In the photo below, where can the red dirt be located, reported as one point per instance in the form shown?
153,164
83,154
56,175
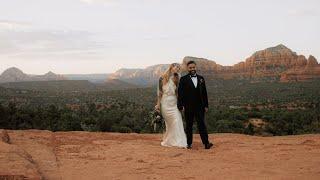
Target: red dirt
36,154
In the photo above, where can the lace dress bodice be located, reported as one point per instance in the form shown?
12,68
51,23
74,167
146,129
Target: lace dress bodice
169,89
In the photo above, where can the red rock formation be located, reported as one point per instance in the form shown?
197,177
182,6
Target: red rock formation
274,63
310,70
203,65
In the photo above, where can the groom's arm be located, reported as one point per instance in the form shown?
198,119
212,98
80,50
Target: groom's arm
180,94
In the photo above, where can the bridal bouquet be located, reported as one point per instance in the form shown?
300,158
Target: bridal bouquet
156,119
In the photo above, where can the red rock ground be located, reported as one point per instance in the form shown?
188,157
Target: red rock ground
36,154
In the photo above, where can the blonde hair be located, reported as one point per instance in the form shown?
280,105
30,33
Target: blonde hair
164,79
166,75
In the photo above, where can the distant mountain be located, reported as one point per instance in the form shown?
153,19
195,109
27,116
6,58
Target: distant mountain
95,78
204,66
14,74
309,70
277,63
144,77
15,78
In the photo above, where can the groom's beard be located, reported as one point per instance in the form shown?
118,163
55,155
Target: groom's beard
193,72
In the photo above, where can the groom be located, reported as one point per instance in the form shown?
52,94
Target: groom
193,100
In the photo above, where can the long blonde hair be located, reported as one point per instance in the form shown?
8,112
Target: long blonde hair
164,79
166,75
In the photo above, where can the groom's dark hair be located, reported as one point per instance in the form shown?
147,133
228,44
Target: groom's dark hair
191,62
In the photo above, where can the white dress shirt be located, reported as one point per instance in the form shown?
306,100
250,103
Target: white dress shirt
195,81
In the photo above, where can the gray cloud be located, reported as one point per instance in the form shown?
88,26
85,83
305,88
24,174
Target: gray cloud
303,12
104,2
14,25
23,40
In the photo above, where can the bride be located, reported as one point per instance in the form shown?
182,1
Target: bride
167,104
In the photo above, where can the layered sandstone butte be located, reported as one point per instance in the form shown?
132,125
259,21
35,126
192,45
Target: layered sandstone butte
277,63
39,154
310,70
204,66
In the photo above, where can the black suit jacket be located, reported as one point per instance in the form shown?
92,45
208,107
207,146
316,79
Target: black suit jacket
187,93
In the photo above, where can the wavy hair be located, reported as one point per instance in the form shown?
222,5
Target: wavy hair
167,74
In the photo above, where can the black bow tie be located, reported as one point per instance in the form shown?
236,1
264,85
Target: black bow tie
193,75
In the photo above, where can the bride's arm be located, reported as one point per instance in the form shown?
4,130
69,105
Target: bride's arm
159,94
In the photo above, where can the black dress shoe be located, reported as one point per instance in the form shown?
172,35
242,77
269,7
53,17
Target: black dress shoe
189,146
208,146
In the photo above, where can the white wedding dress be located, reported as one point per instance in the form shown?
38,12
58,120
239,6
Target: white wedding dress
174,134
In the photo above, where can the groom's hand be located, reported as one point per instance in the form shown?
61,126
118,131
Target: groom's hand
181,108
206,109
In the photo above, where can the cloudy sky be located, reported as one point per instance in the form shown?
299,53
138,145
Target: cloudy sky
101,36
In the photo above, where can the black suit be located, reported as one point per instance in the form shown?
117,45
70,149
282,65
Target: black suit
194,100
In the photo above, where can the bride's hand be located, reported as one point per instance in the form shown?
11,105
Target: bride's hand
157,107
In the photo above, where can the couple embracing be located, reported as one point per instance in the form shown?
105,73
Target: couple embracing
188,95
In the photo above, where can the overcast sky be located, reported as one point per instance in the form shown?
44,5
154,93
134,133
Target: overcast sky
101,36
